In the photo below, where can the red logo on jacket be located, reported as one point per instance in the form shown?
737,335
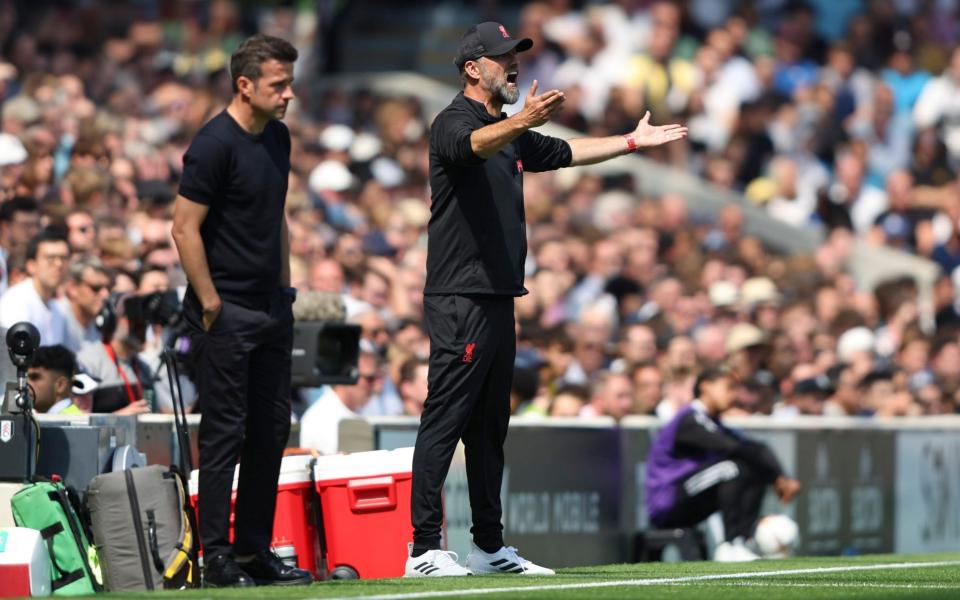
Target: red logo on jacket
503,32
468,352
520,166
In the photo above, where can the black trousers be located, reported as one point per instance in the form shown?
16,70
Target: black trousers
243,378
472,348
731,486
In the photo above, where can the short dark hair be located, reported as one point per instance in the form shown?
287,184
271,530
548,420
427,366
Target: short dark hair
253,52
408,370
15,205
58,359
47,234
710,375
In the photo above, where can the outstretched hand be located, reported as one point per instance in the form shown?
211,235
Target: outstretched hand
786,488
647,135
537,110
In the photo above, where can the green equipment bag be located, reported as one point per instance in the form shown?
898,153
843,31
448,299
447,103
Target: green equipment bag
45,506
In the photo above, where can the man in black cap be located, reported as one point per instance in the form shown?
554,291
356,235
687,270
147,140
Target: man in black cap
475,265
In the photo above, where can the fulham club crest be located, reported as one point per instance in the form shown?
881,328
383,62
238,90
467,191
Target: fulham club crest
6,431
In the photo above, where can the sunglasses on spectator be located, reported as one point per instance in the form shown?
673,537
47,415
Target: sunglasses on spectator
368,377
96,288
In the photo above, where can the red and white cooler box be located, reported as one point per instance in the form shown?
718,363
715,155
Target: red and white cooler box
365,501
295,535
24,564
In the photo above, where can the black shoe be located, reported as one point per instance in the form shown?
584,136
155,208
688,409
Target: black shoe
266,568
223,571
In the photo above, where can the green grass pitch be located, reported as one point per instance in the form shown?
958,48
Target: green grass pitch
868,577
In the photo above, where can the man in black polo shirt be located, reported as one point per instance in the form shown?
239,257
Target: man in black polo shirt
231,233
475,259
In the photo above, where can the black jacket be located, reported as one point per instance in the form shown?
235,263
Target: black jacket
477,239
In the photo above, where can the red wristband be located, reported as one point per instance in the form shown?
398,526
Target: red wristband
631,142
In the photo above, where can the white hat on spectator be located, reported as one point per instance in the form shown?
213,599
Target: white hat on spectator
364,147
337,137
723,294
744,335
84,383
387,172
857,339
330,176
759,290
12,151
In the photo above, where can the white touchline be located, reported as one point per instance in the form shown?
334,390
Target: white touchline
649,582
838,584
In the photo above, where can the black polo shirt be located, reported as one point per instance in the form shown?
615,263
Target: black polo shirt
477,239
242,177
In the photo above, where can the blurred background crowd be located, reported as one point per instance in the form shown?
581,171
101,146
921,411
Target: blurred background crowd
839,116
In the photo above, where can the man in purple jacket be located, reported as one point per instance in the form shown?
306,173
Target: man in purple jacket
698,466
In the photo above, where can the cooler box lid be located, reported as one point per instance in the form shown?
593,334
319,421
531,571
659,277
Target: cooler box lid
293,469
363,464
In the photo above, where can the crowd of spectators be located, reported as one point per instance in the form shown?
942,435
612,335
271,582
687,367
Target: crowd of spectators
840,115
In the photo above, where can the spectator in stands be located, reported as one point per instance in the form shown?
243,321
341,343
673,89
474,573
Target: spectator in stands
638,345
697,466
846,399
413,386
937,107
320,424
32,300
19,223
648,383
84,152
61,387
51,377
126,381
569,401
882,398
86,289
326,275
804,393
81,231
612,395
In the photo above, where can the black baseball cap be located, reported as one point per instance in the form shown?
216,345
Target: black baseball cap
488,39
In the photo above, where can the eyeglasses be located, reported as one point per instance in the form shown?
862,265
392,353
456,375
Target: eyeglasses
50,258
96,288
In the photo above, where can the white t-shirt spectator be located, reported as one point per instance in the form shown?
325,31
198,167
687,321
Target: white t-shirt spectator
939,104
77,334
23,303
320,425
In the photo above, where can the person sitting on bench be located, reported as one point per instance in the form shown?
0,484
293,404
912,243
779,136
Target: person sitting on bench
697,466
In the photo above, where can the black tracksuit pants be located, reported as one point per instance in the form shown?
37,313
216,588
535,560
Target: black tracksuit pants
472,348
243,377
732,486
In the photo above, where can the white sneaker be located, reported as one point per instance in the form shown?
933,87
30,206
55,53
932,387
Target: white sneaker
504,560
735,551
433,563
